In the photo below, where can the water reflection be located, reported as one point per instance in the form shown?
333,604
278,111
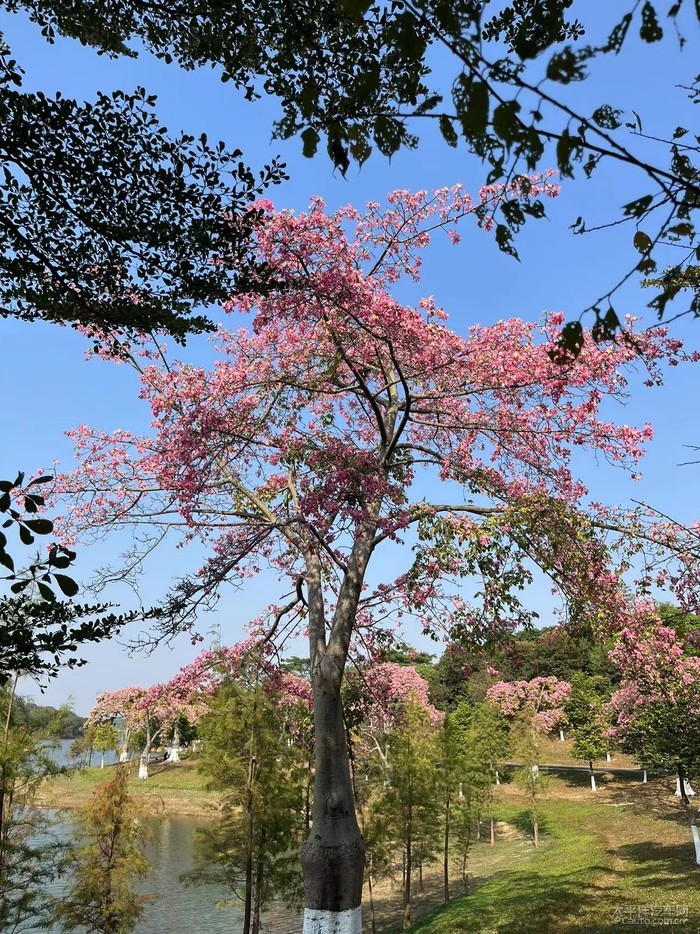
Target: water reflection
174,907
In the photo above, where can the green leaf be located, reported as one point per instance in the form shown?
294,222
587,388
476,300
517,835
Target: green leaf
606,327
608,117
680,130
619,34
566,66
638,207
388,134
448,131
46,592
504,239
6,561
428,104
681,230
310,140
642,242
569,344
40,526
506,122
67,584
650,30
474,117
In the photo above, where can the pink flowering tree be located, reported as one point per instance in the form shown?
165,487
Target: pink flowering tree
543,698
310,447
375,699
656,709
123,704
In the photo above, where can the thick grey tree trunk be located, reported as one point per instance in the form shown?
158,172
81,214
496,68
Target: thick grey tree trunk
333,857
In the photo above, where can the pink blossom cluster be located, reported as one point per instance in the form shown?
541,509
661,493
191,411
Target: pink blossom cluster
543,697
654,665
385,689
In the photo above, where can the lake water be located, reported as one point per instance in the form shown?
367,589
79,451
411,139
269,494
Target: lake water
175,907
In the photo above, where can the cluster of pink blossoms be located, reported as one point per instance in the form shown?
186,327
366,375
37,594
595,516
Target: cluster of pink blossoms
543,697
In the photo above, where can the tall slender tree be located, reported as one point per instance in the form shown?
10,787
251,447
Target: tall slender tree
306,462
252,847
105,862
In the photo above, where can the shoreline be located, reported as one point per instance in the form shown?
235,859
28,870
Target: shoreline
174,788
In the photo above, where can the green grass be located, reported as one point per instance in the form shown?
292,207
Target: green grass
595,860
171,788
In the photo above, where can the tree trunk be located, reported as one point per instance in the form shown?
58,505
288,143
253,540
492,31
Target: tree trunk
373,920
681,789
644,777
143,766
446,857
124,752
333,856
590,765
259,884
561,735
248,896
174,755
535,832
493,832
407,885
102,762
421,886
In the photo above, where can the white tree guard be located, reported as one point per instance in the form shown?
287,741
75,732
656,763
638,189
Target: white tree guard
696,841
319,921
688,790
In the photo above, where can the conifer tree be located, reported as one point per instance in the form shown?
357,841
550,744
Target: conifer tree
105,862
253,846
410,796
27,851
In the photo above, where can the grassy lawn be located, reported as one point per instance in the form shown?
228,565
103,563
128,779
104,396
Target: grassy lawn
555,752
620,860
172,788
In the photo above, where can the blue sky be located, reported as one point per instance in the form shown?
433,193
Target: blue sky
51,388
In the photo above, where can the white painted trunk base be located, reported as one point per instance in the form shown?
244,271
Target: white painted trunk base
561,735
696,842
143,768
608,757
498,780
688,790
318,921
593,788
123,756
174,754
644,779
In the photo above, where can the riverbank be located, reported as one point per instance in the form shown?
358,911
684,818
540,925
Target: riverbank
172,788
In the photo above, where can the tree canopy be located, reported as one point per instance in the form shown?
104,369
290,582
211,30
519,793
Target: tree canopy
108,222
499,80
